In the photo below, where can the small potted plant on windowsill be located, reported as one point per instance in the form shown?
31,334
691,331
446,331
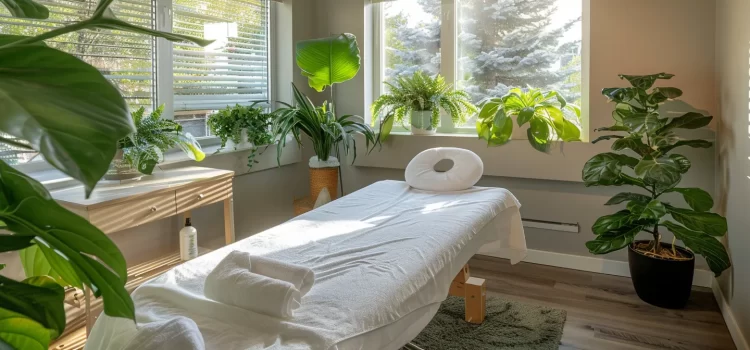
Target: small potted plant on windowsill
242,127
138,153
551,118
662,273
418,99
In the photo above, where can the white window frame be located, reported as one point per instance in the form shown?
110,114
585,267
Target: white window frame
449,65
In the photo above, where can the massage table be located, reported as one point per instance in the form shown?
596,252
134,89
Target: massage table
384,258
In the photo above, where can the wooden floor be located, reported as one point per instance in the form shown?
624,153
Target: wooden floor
603,311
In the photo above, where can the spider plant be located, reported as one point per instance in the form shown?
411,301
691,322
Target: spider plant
145,148
421,92
326,131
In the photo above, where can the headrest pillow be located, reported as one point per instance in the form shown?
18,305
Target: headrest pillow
466,171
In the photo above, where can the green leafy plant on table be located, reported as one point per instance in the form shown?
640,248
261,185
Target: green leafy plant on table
642,157
145,148
418,99
238,124
550,118
324,62
68,111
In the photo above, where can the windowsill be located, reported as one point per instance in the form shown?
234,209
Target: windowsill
54,179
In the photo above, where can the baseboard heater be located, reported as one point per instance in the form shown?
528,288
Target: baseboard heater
551,225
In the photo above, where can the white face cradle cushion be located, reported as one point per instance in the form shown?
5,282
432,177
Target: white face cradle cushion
467,170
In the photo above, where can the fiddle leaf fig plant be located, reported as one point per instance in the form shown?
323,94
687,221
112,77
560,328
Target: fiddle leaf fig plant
549,115
641,157
64,108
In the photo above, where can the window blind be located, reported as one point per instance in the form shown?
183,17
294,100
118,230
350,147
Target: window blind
124,58
232,70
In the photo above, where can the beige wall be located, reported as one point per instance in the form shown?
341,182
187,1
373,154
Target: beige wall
629,37
733,183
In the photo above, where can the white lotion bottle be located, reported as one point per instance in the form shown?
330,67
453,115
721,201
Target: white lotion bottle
188,241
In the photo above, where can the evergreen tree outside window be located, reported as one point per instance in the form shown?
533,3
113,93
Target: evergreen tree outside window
498,44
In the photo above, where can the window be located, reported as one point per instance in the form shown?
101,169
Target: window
484,46
191,81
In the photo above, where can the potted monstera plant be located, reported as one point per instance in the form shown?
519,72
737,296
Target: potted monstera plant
325,62
643,157
417,100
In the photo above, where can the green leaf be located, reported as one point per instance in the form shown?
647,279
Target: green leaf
21,332
708,223
682,162
539,134
654,210
690,120
611,222
643,123
691,143
27,208
26,9
39,298
613,240
386,126
525,115
41,260
112,23
661,94
502,129
663,173
6,39
614,128
645,82
328,61
628,196
9,243
619,94
696,198
634,143
34,263
76,133
607,137
571,131
703,244
604,169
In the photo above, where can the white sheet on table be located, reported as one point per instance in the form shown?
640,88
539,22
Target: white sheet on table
378,254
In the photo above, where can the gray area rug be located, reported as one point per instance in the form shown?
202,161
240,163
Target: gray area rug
508,326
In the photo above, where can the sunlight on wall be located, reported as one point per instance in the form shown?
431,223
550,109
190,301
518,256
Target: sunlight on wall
748,95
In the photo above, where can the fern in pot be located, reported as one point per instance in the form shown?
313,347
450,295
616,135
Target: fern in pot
140,152
418,99
642,157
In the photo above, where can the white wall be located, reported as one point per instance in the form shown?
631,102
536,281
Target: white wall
629,37
733,183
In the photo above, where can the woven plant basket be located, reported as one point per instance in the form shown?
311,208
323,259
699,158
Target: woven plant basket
324,178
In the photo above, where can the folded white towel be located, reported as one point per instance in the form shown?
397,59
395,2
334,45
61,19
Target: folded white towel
232,283
179,333
301,277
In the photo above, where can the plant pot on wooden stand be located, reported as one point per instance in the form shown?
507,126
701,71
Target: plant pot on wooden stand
323,175
421,123
662,282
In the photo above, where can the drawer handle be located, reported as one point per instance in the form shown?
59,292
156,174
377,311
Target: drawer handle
153,209
200,196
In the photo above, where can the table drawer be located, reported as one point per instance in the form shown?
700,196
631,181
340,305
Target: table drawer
133,212
203,194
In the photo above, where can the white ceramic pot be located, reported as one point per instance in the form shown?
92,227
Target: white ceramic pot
421,123
244,143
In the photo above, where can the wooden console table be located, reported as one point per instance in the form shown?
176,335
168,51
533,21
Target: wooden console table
118,205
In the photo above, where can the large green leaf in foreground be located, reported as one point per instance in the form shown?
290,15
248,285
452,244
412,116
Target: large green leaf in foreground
64,107
28,210
328,61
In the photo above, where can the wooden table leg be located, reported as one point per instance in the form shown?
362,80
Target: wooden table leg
475,300
229,220
87,295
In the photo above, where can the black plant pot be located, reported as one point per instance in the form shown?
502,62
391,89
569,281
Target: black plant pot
661,282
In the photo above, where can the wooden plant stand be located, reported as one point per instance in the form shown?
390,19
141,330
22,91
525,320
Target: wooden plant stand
474,292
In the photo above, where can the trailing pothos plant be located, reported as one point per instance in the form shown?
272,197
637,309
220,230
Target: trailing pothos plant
550,117
68,111
230,123
642,157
